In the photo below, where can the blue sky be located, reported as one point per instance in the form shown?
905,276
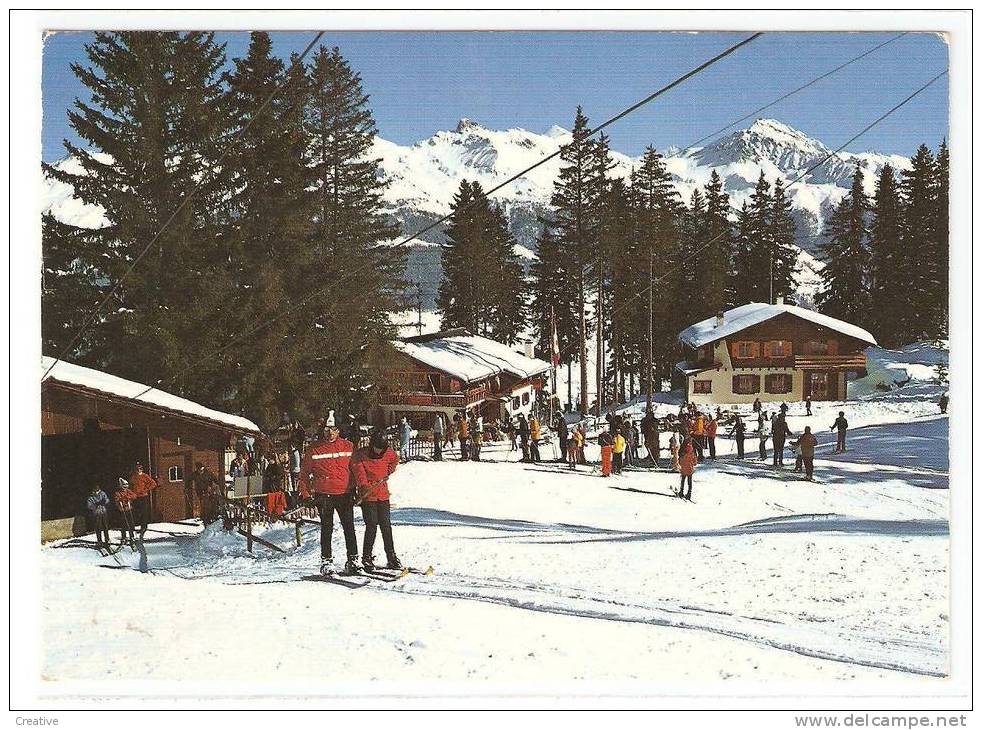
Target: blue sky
423,82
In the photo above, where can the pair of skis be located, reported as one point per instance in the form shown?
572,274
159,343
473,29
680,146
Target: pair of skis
360,580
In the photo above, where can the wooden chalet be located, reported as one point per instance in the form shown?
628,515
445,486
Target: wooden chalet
96,426
775,352
451,371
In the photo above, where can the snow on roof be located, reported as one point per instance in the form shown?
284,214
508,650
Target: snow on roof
65,372
470,357
740,318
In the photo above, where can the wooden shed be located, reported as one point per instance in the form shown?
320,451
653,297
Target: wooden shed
96,426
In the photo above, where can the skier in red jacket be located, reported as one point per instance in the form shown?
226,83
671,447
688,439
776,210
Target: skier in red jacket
141,484
371,468
326,473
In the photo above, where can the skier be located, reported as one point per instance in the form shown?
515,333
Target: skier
325,472
711,437
840,424
606,442
142,485
763,433
779,434
523,437
511,430
649,427
405,434
943,402
698,432
371,468
619,447
477,435
687,466
206,486
635,443
563,432
673,445
238,466
738,433
96,504
294,468
124,503
465,436
807,444
757,405
438,437
808,406
534,436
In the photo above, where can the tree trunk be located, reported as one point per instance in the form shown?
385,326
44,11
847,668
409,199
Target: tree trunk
584,402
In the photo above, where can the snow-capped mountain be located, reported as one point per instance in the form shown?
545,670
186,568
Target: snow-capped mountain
423,179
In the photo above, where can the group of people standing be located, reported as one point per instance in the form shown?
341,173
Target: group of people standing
131,501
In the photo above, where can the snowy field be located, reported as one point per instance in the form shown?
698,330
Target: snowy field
545,575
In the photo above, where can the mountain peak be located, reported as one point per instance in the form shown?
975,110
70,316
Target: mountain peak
465,125
782,133
555,132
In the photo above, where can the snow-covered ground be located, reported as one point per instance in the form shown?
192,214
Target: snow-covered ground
545,575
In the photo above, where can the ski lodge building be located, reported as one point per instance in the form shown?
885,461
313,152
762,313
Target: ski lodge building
452,370
775,352
96,426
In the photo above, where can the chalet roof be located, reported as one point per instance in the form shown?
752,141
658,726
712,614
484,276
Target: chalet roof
469,357
740,318
70,374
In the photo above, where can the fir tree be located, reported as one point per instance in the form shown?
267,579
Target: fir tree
941,242
886,261
919,269
483,279
574,204
554,294
348,343
657,226
755,247
154,126
716,259
784,252
268,232
846,275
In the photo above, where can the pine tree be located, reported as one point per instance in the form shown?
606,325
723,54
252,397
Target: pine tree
574,203
941,242
886,261
919,268
755,247
69,289
268,232
154,126
782,234
716,259
692,271
846,275
657,218
348,343
483,278
554,294
620,299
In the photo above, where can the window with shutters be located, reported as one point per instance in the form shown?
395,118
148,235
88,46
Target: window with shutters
746,384
702,386
175,474
816,347
777,348
745,350
777,383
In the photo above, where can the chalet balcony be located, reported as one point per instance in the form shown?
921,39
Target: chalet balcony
852,361
440,400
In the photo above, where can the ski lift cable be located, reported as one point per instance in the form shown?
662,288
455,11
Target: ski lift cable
90,318
781,98
798,179
634,107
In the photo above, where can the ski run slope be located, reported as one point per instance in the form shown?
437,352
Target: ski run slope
545,575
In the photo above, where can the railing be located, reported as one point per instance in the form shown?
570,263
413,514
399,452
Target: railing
448,400
831,362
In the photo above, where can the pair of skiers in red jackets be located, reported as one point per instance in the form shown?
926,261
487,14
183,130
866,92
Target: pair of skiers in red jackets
338,476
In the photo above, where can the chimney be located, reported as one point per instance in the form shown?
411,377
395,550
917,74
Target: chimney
719,319
779,300
529,350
